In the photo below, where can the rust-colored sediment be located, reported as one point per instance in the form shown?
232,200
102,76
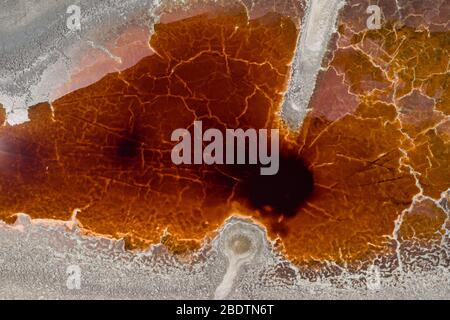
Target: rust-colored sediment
2,115
105,149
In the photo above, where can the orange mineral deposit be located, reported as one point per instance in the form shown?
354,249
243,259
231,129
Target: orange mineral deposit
106,149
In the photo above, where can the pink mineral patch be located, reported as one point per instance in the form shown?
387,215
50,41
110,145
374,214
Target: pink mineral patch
332,100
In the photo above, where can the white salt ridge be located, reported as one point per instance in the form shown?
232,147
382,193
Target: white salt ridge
318,24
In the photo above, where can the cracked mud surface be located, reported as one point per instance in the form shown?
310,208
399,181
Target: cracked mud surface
375,140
